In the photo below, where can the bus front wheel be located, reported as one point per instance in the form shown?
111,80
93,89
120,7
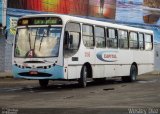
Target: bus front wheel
133,75
43,83
83,79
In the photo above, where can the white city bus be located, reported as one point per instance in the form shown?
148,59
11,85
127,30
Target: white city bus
61,47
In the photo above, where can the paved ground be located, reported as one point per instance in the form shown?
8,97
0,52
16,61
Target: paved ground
16,94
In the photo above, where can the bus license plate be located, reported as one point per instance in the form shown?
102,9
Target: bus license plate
33,72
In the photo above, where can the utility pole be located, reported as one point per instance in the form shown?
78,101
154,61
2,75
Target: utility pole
4,13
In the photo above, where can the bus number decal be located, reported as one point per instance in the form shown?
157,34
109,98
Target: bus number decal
87,54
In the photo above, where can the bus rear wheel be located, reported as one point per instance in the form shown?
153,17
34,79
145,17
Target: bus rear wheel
43,83
133,75
83,79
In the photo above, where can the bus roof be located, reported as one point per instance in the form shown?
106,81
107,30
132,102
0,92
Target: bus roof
97,22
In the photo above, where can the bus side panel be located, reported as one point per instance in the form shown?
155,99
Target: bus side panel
110,70
122,70
75,63
98,71
145,62
74,72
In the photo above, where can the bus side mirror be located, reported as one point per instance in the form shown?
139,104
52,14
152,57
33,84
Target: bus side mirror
71,39
66,39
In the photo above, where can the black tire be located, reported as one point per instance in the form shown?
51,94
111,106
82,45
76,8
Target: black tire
133,75
43,83
83,79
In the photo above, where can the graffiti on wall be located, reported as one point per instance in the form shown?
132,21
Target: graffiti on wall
128,11
97,8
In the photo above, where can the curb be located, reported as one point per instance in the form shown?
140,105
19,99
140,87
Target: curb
6,75
155,72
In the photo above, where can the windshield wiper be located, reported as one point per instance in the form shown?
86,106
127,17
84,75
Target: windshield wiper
35,38
41,41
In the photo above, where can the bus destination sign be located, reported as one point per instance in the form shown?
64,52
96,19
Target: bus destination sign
40,21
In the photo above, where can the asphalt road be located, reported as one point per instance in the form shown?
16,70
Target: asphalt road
111,96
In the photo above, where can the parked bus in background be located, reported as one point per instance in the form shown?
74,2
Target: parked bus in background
61,47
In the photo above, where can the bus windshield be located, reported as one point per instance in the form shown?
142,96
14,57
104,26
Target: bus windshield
37,42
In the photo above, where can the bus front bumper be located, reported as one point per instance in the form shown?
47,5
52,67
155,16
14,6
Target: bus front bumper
55,72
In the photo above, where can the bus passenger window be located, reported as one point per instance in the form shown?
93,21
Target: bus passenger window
133,40
148,42
112,38
100,37
123,39
141,41
88,38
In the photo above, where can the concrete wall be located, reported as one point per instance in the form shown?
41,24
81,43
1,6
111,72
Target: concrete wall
157,57
2,54
8,57
5,55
